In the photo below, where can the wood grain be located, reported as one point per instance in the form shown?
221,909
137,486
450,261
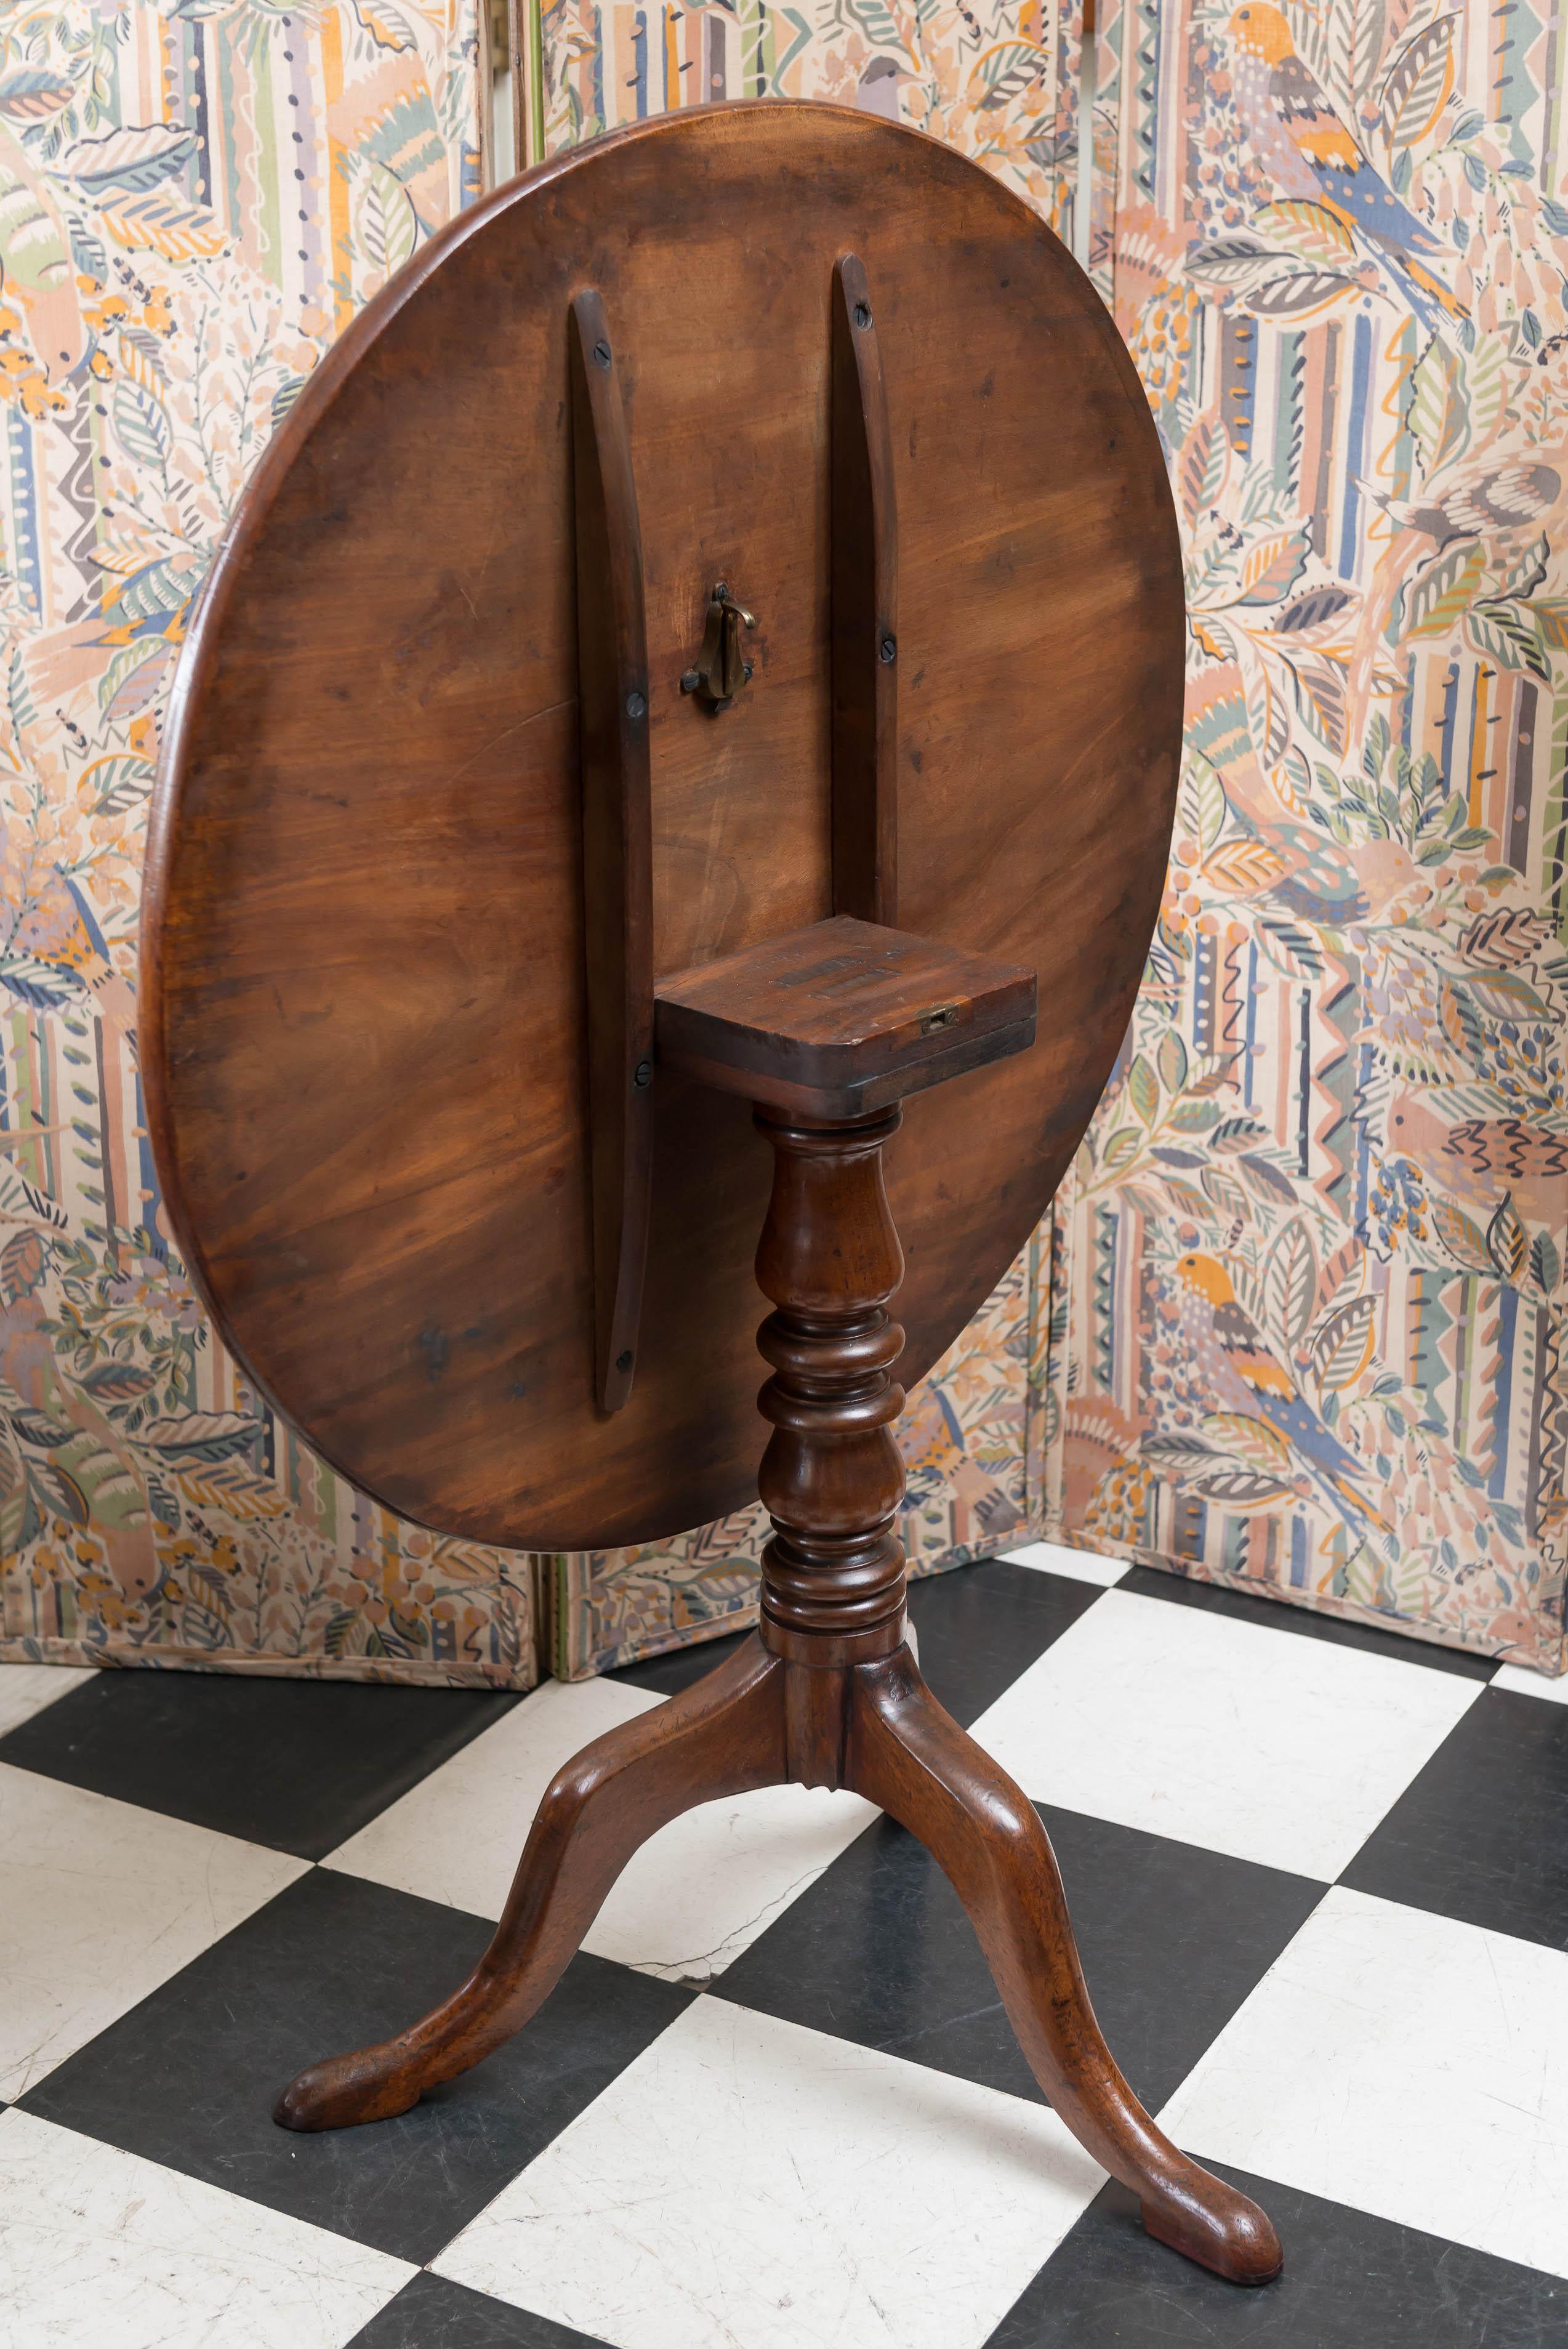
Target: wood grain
363,1014
863,560
842,1018
723,1735
912,1759
617,844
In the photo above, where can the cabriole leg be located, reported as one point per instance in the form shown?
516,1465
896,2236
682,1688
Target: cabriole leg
721,1736
911,1757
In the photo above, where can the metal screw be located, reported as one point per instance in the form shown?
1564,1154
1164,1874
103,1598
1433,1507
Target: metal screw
637,708
602,354
746,671
720,591
862,314
642,1076
690,680
623,1361
888,648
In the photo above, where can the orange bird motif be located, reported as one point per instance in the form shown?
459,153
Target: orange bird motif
1310,154
1480,1162
1248,1377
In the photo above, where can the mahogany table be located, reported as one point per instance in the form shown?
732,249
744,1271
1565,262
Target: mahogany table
680,739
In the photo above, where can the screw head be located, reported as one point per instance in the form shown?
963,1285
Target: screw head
746,671
690,680
862,315
888,648
636,706
642,1076
623,1361
602,354
720,590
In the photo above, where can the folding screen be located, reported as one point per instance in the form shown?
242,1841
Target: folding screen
1336,1132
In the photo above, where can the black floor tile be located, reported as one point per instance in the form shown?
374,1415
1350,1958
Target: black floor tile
681,1666
299,1766
1478,1834
980,1626
431,2314
879,1950
1350,2281
190,2078
1277,1615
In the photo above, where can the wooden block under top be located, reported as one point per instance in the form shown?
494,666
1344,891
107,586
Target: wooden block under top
841,1019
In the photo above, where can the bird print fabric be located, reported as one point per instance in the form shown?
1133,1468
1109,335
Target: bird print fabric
1248,1377
1311,153
1310,1332
1508,497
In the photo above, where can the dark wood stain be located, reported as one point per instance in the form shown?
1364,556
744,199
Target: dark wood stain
443,866
617,844
365,1015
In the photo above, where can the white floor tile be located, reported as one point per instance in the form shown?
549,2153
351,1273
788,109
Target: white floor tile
747,2184
99,1902
101,2247
1262,1743
1080,1565
26,1688
1518,1682
697,1894
1405,2064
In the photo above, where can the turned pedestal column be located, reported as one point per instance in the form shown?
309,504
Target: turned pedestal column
832,1476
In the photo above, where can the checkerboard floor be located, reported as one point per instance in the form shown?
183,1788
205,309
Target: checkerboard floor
1320,1881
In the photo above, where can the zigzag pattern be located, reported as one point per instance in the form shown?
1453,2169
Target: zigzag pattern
1107,1235
1146,85
1334,1084
74,515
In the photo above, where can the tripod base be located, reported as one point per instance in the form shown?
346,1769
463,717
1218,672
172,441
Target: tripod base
763,1720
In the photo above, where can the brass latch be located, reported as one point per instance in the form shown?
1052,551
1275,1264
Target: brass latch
722,667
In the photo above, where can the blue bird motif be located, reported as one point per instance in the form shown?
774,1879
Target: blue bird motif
1248,1377
1311,155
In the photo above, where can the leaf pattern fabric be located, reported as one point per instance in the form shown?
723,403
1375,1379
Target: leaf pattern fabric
1343,1088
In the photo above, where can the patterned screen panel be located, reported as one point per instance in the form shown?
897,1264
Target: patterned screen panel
1308,1328
195,201
192,202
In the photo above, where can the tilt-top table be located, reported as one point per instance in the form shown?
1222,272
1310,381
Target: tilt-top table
680,739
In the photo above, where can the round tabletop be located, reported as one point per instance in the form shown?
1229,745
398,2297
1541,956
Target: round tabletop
364,998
